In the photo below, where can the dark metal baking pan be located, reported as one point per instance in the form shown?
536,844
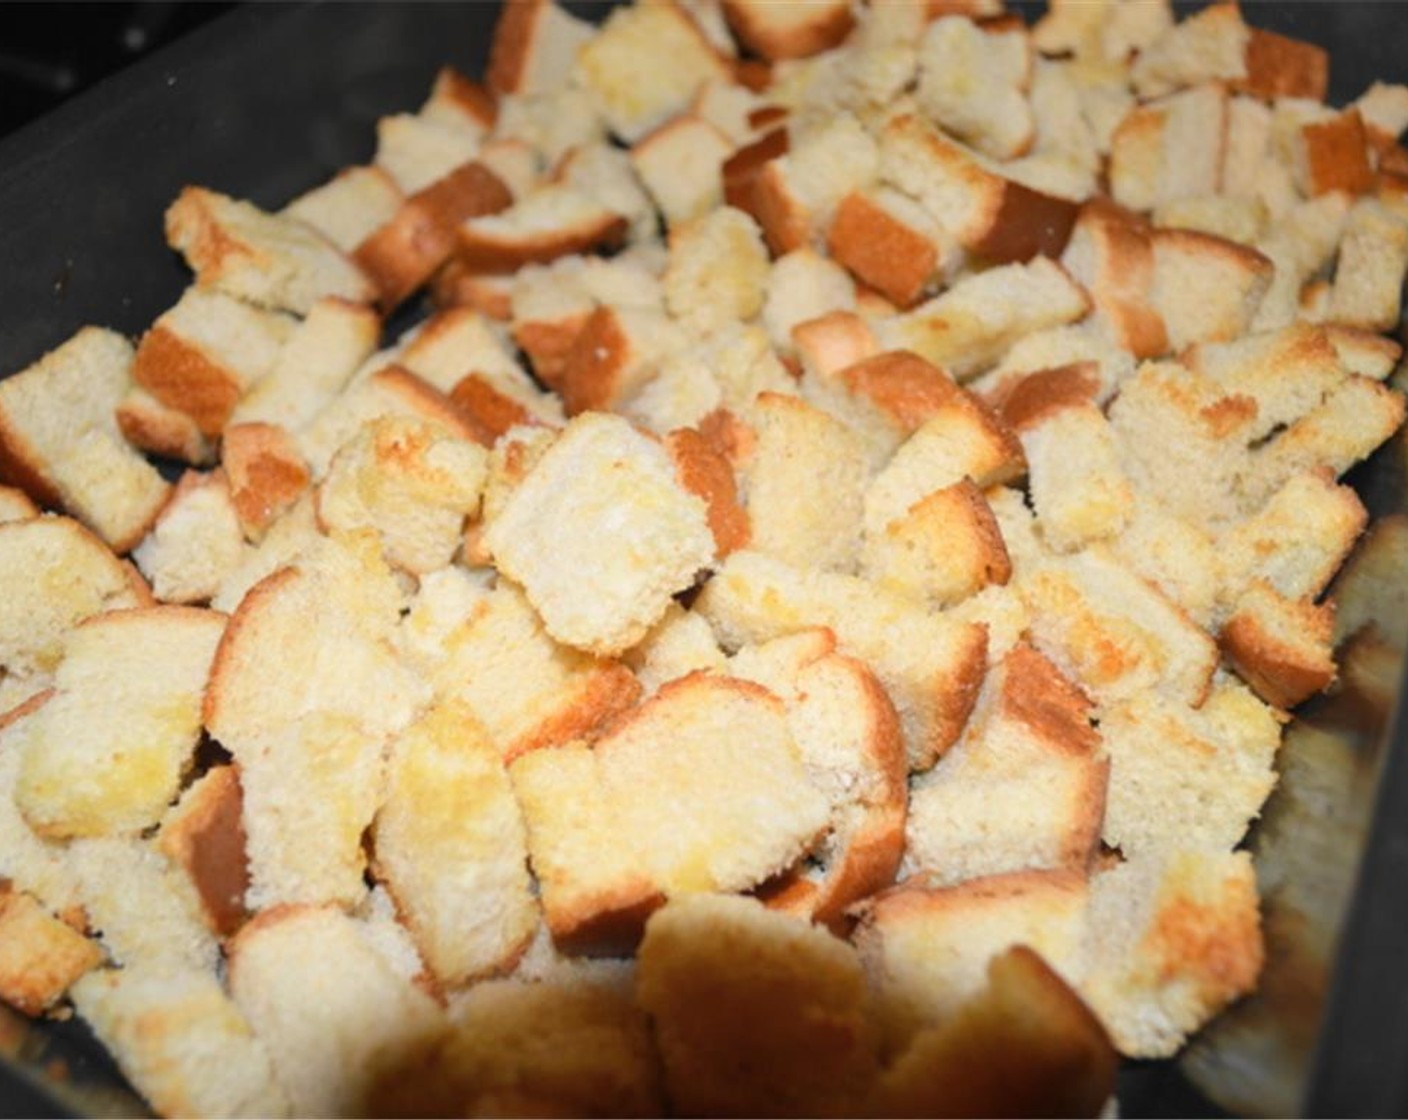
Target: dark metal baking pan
271,100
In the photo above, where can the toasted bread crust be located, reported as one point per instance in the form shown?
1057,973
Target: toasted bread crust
882,251
706,472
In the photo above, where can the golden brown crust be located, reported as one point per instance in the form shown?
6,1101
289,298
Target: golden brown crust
403,254
1337,155
706,473
610,924
265,471
1025,223
957,692
765,116
1283,673
181,376
1037,694
548,344
749,20
20,465
208,843
40,956
476,100
453,285
831,342
1026,400
778,211
162,431
742,170
489,412
908,389
1124,276
493,254
1279,66
234,639
882,251
513,38
591,371
423,399
608,691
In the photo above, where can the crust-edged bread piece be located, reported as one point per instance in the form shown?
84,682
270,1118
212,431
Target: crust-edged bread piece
87,774
777,31
332,1013
1025,787
973,82
181,1041
275,262
350,206
600,534
60,443
40,956
534,46
265,472
459,878
554,221
149,425
756,1013
203,835
681,165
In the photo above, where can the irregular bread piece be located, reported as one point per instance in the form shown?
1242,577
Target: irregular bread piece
40,956
888,241
151,426
550,1048
601,576
1205,288
534,46
1024,789
334,1016
196,541
417,151
1207,46
451,848
1111,254
350,206
613,353
275,262
1280,646
87,774
926,950
973,83
931,666
1373,258
78,576
265,471
1170,149
718,271
1170,941
1024,1045
203,835
681,165
181,1041
1330,152
796,194
552,221
756,1014
791,31
1077,487
679,644
60,443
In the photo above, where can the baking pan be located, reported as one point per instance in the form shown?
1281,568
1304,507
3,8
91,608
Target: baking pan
272,99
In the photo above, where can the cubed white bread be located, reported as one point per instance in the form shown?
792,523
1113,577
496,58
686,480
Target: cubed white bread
1105,30
679,644
149,425
391,390
1330,152
596,890
1205,288
1300,245
1185,778
969,327
1077,487
1000,609
793,31
1176,555
803,285
1367,590
516,162
513,456
40,956
85,773
333,1015
181,1042
1287,372
1024,789
555,220
308,728
1170,149
1208,46
1114,634
703,467
973,83
1110,253
1080,345
1170,941
16,505
350,206
849,737
926,950
961,438
990,215
527,691
520,1048
707,782
718,271
930,665
460,879
829,343
272,261
1242,220
380,926
613,354
1295,541
945,548
755,1012
1028,400
796,194
1364,352
803,482
534,47
415,151
316,362
1064,140
538,133
203,836
1183,441
409,481
53,574
731,107
31,864
1368,285
1278,66
403,254
604,172
1248,156
681,164
600,534
644,65
885,239
1280,646
1346,427
140,907
202,355
461,101
1026,1044
60,443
